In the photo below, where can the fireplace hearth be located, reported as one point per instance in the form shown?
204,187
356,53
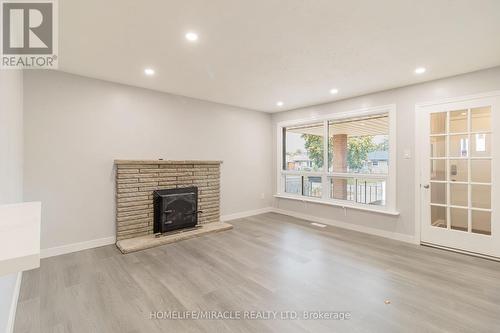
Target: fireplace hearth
175,209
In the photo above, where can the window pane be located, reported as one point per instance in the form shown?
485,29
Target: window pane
312,186
371,191
343,188
303,147
459,171
366,191
438,169
481,145
438,146
293,184
481,196
459,195
359,145
438,216
438,193
459,218
438,123
481,222
459,145
458,121
480,171
481,119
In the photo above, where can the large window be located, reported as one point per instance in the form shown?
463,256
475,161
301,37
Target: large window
351,167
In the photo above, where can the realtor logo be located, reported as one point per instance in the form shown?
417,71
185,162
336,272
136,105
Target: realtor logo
29,34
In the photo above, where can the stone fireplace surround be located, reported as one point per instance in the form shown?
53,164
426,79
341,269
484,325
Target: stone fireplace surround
137,179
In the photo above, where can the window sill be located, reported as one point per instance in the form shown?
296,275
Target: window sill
340,204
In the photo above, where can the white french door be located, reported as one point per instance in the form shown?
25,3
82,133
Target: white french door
460,174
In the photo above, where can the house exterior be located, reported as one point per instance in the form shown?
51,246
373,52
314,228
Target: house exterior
378,161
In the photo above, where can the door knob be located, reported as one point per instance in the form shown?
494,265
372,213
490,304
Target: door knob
426,186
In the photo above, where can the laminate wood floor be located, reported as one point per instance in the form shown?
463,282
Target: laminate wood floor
268,262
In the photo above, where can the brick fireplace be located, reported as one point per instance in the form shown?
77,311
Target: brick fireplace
136,180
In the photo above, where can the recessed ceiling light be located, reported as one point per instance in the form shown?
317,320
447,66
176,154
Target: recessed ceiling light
280,103
464,113
420,70
334,91
149,71
192,36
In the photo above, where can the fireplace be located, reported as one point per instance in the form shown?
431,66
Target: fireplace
175,209
157,196
136,180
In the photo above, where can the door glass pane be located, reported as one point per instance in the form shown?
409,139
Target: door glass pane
481,144
438,216
312,186
458,121
481,119
481,171
459,218
438,193
459,195
459,171
438,123
438,169
459,145
438,146
481,222
481,196
293,184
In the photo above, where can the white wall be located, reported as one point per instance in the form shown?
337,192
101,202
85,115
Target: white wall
11,167
11,136
75,127
405,99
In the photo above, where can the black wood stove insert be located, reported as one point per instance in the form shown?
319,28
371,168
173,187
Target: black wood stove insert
175,209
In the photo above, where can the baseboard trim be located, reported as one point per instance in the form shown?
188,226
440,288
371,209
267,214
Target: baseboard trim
13,305
349,226
235,216
68,248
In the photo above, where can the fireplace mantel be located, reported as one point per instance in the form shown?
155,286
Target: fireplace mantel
149,162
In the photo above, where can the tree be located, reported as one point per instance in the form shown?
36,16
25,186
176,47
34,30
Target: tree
357,151
293,154
384,145
314,147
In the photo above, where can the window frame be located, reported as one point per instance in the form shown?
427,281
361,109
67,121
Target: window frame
390,177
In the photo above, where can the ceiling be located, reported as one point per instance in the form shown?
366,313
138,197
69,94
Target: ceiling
254,53
375,125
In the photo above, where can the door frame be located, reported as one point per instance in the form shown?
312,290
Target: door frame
419,107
